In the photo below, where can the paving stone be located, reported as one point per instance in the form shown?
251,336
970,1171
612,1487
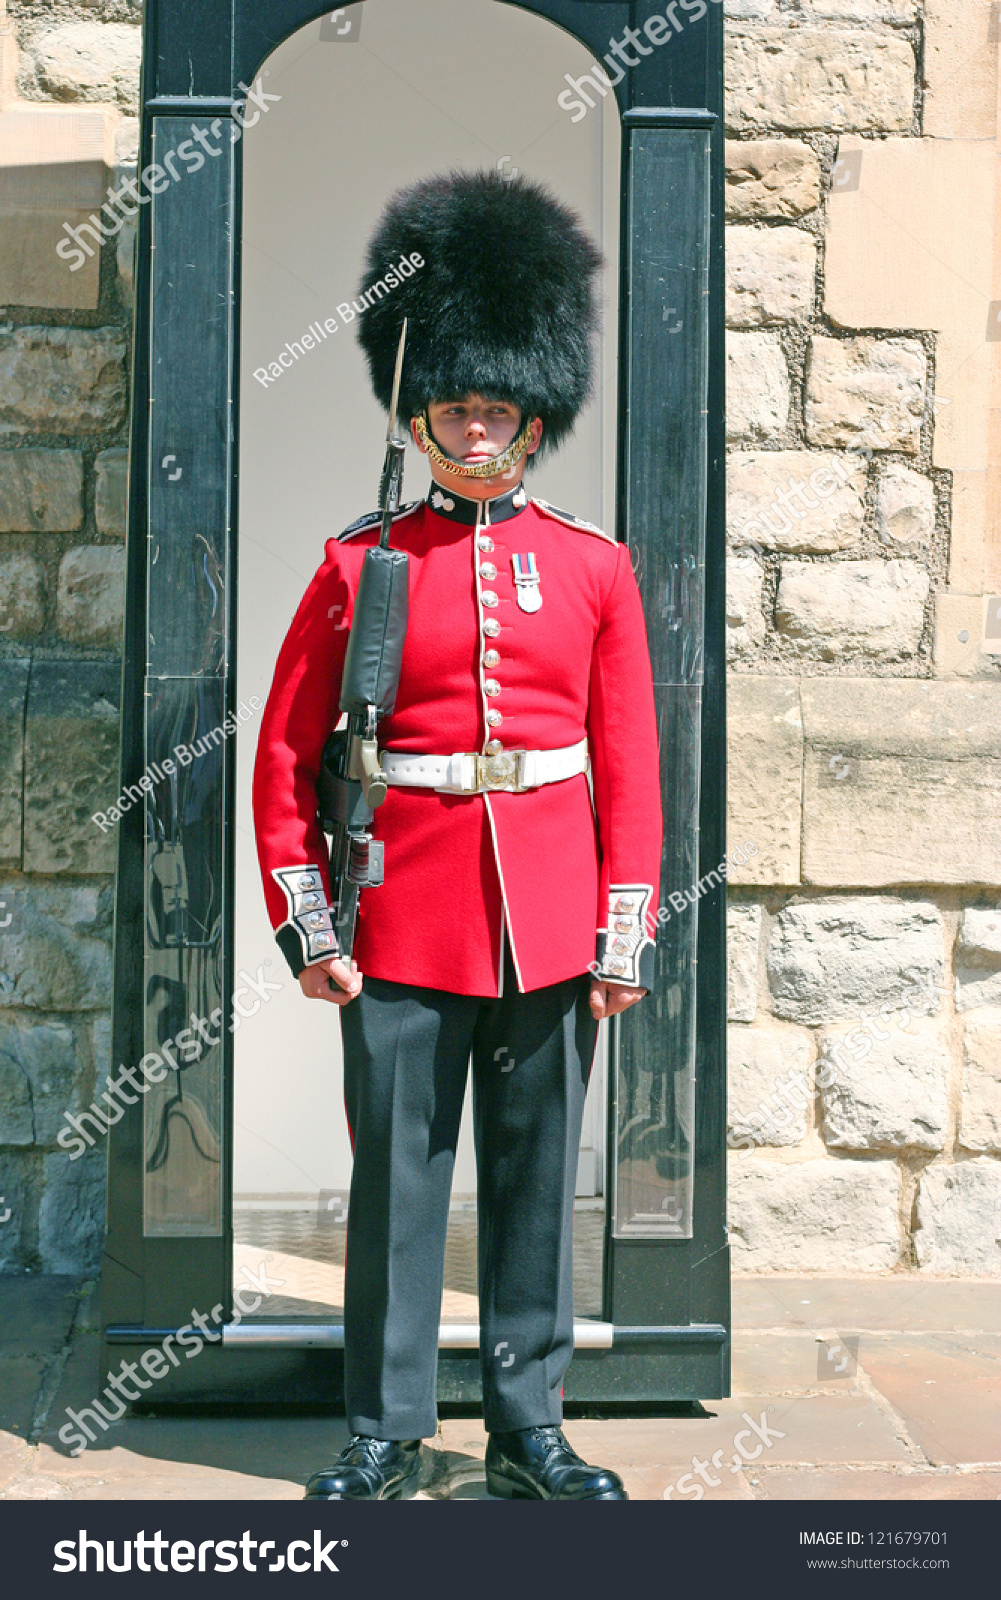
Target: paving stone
901,781
90,602
38,1079
13,1204
802,1216
88,61
119,1473
37,1313
864,392
873,607
795,500
905,507
760,1058
946,1389
757,386
745,620
778,1363
887,1094
41,491
978,958
770,178
71,766
817,78
904,1301
71,1212
111,490
15,1457
980,1115
831,959
871,1484
959,1217
56,956
743,938
22,596
62,380
769,276
13,696
21,1377
764,791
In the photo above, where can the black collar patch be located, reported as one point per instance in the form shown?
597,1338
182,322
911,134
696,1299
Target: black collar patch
455,508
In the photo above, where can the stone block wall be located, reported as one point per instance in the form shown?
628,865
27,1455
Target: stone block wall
68,88
863,613
864,635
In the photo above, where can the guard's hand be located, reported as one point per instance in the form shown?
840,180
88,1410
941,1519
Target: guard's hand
608,999
331,980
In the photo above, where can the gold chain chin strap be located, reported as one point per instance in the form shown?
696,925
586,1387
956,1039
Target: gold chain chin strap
483,469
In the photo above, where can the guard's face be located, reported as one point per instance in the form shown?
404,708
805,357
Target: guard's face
474,429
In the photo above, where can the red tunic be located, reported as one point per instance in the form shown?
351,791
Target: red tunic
460,869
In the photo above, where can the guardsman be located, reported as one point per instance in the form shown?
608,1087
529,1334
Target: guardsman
521,830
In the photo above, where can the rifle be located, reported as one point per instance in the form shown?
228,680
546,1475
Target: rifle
351,781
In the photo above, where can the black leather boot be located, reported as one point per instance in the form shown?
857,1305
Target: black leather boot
369,1469
539,1464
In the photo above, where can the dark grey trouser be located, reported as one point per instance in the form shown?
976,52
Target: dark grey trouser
406,1052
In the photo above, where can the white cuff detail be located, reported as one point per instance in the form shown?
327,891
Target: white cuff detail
625,939
309,914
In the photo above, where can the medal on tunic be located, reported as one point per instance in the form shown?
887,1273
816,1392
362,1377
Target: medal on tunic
526,577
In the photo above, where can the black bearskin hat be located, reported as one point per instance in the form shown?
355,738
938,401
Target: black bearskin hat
502,304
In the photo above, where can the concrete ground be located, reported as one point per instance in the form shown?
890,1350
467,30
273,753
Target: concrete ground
917,1416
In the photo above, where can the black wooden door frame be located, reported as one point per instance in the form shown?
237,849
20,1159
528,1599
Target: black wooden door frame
665,1329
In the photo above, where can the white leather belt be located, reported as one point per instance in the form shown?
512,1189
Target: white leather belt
470,773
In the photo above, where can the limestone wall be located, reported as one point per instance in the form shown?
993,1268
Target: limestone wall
863,615
68,87
864,627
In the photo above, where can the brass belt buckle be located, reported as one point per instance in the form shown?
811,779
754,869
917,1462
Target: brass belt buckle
497,772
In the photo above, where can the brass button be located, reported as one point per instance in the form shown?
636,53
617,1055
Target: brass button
485,542
491,627
307,881
488,571
491,659
494,718
493,747
489,598
491,687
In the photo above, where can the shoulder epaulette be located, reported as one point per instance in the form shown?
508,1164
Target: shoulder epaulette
372,519
570,521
